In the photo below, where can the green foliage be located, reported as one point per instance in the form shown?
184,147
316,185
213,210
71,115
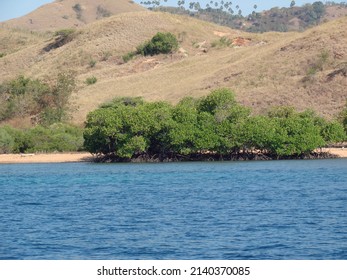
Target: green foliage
275,19
319,63
18,97
294,136
18,144
64,32
218,100
106,55
126,101
77,7
342,117
6,142
129,56
102,12
222,42
160,43
62,37
183,132
281,112
128,128
2,54
78,10
92,63
91,80
254,133
55,103
116,127
58,137
55,138
333,132
23,97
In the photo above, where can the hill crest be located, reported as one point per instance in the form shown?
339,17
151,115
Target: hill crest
62,14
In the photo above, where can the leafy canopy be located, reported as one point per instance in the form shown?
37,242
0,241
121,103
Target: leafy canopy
127,128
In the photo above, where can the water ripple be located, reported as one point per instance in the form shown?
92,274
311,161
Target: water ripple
230,210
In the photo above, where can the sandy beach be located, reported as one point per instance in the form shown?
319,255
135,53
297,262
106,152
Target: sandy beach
340,152
85,157
45,158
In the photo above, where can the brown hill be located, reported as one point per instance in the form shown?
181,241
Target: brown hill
71,13
305,70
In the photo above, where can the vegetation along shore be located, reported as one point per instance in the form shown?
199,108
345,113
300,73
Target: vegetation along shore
214,127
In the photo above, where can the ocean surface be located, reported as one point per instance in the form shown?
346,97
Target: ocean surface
180,211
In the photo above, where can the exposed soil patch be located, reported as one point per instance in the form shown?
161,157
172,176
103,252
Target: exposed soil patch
241,42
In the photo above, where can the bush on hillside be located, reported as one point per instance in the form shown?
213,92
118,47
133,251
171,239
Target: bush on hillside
221,43
161,43
23,97
64,33
91,80
62,37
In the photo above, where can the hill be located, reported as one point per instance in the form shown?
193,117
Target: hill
71,14
304,70
278,19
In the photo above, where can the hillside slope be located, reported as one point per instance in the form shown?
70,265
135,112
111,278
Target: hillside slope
304,70
71,13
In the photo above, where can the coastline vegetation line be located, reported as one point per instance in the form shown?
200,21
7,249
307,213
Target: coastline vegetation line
214,127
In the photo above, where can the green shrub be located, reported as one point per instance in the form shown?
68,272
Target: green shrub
129,56
318,64
6,142
222,42
64,32
77,7
161,43
106,55
2,55
92,63
343,117
333,132
91,80
103,12
78,10
62,37
24,97
19,97
58,137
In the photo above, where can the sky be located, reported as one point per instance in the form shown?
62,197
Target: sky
16,8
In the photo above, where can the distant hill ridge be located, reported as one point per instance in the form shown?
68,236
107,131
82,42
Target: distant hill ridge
71,14
293,18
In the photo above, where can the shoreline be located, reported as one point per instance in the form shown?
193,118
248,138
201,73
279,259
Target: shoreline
87,157
46,158
339,152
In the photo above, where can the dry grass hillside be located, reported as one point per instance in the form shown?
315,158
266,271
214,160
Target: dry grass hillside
71,13
306,70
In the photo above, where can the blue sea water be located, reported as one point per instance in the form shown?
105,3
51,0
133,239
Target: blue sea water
207,210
